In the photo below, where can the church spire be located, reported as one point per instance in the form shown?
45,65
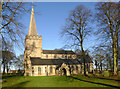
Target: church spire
32,26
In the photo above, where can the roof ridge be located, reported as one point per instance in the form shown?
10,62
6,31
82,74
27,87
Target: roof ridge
58,50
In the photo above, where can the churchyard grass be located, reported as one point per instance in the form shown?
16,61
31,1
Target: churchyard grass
58,81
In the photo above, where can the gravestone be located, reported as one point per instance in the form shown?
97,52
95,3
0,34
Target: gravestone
106,74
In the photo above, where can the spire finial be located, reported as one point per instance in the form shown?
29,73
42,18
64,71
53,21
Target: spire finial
32,27
32,9
32,4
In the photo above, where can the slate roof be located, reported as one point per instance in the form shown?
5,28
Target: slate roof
58,52
39,61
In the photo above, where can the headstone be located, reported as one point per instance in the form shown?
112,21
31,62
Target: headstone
106,74
86,72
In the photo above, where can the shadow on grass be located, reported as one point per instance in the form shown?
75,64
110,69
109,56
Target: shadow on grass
7,76
17,86
109,79
118,79
21,84
94,82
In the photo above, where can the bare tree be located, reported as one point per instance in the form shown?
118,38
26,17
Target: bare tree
7,58
99,55
20,62
8,55
11,26
11,29
77,28
109,24
108,61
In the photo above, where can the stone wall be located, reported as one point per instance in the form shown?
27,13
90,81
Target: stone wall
33,46
27,67
45,70
50,70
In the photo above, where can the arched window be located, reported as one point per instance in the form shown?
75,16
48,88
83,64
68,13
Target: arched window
87,67
77,68
70,57
45,69
65,56
46,56
55,56
39,70
62,56
50,69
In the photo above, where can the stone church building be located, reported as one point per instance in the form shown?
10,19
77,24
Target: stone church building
40,62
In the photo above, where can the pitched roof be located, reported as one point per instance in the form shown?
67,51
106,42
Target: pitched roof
58,52
32,26
39,61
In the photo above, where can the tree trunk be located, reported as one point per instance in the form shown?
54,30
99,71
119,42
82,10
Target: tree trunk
114,56
101,67
96,68
96,65
110,64
3,68
100,64
115,60
107,65
117,48
7,69
83,56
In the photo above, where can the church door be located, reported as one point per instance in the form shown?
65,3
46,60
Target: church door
63,71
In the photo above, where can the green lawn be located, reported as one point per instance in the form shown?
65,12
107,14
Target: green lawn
57,81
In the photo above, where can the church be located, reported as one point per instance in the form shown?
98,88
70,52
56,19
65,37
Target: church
40,62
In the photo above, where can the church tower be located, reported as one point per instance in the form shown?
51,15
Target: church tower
33,43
